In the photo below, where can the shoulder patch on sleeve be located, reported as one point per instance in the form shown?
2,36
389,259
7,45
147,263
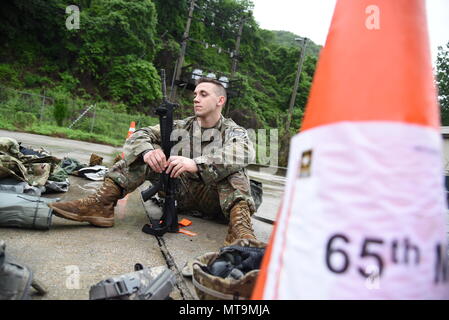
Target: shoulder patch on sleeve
237,132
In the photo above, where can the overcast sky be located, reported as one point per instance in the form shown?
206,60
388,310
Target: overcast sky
312,18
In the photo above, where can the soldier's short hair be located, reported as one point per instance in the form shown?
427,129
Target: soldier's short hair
220,89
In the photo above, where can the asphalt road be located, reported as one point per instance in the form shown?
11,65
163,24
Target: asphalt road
72,256
273,184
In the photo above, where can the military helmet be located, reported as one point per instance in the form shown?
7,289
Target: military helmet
210,287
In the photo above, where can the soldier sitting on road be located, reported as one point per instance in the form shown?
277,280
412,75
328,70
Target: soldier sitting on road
213,181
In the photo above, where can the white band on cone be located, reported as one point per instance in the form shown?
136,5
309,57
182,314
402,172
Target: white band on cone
362,198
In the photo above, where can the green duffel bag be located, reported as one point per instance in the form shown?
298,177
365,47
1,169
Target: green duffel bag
24,211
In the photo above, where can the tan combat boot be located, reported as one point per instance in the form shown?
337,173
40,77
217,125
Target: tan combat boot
97,209
240,226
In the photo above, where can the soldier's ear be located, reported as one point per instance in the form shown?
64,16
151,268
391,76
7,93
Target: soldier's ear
221,100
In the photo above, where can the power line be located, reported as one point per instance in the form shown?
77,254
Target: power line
214,12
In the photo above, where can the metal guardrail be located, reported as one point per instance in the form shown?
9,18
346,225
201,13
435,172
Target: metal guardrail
279,171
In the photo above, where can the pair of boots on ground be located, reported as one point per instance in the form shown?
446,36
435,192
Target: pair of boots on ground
98,210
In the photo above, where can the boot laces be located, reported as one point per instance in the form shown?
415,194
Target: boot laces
95,198
92,199
244,223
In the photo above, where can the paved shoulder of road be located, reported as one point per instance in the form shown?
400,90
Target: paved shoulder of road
72,256
60,147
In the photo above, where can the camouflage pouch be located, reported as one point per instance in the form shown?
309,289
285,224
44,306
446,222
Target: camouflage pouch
38,173
210,287
9,146
33,171
11,167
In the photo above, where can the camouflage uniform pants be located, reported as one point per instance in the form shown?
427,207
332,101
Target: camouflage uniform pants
193,195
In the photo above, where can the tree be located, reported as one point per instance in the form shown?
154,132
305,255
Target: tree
443,83
121,45
117,48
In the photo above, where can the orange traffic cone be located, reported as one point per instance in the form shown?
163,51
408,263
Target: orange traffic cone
131,130
364,210
120,209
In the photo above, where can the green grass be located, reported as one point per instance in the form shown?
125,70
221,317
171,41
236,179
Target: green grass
55,131
6,125
106,125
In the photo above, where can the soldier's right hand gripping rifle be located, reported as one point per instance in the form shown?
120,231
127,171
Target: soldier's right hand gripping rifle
169,219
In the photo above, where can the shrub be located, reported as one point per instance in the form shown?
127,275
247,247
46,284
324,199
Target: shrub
23,119
60,111
69,82
9,75
135,81
5,124
33,80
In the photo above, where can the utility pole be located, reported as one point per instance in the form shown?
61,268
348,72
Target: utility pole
295,87
185,37
235,58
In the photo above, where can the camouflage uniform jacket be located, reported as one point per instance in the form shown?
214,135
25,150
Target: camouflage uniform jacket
32,169
218,151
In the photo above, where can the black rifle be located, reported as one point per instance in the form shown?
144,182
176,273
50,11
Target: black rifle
169,219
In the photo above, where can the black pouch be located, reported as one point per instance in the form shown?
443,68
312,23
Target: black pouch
256,192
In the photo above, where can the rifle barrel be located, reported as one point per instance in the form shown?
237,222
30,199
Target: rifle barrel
164,86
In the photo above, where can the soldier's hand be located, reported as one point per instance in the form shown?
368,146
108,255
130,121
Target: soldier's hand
178,165
156,160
